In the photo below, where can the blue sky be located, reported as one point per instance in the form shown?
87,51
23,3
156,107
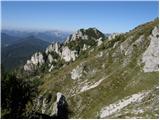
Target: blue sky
106,16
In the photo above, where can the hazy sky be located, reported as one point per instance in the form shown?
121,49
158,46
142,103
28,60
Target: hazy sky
106,16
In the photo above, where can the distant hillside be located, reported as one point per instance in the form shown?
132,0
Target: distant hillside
49,36
7,40
17,53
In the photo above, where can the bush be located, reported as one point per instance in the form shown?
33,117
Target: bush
16,93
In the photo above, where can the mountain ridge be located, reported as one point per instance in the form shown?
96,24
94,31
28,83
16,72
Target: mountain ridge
70,49
114,66
94,76
45,35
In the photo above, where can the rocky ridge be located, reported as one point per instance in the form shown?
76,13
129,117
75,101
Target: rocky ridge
150,56
112,78
57,51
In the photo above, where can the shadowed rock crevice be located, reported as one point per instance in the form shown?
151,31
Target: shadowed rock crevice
59,111
62,108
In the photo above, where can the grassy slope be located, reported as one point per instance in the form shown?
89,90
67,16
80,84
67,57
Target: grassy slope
122,80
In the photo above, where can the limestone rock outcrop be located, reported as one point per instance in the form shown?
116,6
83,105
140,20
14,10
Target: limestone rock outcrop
151,55
113,35
61,106
99,41
68,54
54,47
85,34
77,72
36,60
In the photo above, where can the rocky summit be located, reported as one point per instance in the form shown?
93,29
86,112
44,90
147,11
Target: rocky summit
67,51
91,75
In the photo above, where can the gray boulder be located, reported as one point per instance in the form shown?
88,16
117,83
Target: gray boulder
151,55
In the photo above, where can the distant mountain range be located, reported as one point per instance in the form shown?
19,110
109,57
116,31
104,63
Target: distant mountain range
17,46
16,51
7,40
49,36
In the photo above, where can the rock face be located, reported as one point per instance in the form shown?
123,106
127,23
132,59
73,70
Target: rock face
79,34
68,55
113,108
113,35
125,45
138,43
50,58
43,105
151,55
62,106
51,68
77,72
36,60
99,41
53,48
85,34
85,47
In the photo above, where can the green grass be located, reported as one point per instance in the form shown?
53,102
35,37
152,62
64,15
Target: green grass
122,80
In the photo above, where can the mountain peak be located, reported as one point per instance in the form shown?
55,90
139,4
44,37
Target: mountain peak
85,34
